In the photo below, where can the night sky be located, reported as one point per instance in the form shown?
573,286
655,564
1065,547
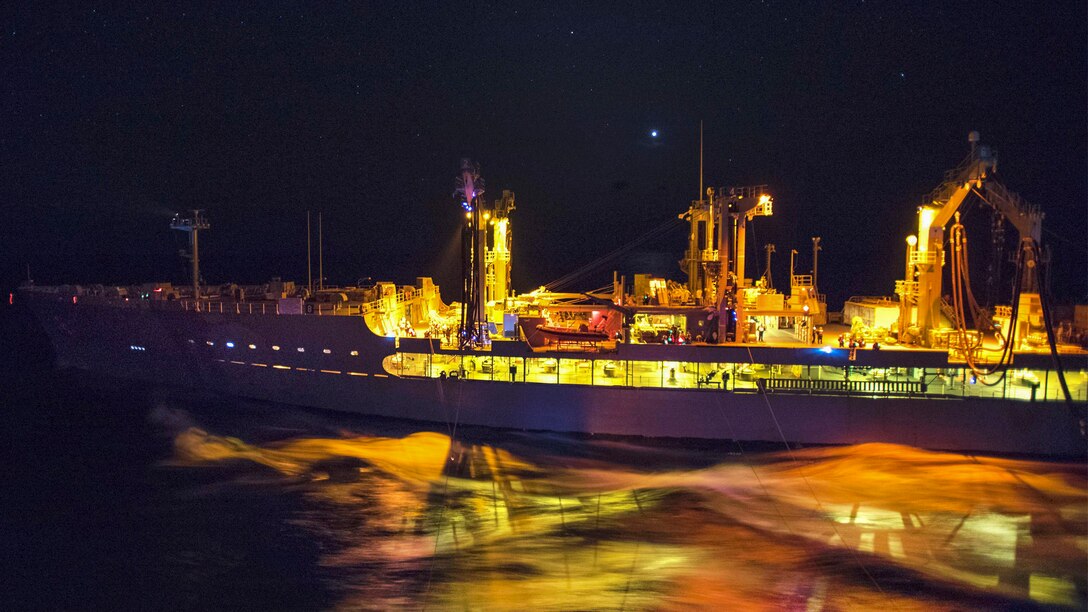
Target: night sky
849,112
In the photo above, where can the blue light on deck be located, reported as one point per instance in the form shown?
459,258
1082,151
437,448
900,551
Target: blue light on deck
230,345
826,349
653,133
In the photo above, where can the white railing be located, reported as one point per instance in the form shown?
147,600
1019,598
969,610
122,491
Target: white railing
273,308
927,258
261,308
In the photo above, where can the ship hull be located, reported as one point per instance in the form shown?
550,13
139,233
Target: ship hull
186,349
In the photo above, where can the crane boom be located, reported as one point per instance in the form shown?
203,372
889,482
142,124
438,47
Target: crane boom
921,292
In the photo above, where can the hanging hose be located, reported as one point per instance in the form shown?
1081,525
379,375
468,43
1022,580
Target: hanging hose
960,285
1049,325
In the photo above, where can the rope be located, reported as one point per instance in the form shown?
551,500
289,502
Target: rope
759,481
808,485
445,491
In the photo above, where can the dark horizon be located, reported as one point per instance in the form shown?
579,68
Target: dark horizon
850,115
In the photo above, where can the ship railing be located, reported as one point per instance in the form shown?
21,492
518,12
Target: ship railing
906,288
219,307
860,387
333,308
927,258
952,180
316,308
273,308
801,280
746,192
869,299
701,254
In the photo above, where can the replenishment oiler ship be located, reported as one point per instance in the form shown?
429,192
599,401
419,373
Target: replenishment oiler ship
718,356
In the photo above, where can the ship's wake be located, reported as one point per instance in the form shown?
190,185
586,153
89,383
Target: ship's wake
423,520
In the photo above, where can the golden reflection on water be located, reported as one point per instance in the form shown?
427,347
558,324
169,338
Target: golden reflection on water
425,523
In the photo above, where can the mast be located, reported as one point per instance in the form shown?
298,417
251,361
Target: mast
700,159
320,256
309,264
769,247
704,238
470,188
193,225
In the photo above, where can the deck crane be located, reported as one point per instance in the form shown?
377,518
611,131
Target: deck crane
715,258
920,293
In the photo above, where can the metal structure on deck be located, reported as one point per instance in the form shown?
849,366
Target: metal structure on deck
193,225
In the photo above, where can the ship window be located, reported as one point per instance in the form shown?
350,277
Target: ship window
209,343
230,345
191,341
609,372
327,352
647,373
275,347
543,370
252,346
355,353
301,350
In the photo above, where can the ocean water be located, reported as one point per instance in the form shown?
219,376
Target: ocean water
133,497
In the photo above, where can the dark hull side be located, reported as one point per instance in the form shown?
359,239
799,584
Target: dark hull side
173,347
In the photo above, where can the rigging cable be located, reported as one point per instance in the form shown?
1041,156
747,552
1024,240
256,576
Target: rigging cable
759,481
452,428
601,261
811,490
